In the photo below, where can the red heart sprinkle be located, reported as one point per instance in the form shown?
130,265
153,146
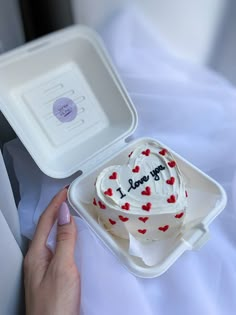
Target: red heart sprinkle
171,181
178,216
142,231
147,191
101,205
126,206
123,219
136,169
172,199
163,152
146,152
186,193
172,163
163,228
112,222
113,176
94,202
143,219
147,207
130,154
108,192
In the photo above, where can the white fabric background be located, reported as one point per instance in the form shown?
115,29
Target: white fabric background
194,112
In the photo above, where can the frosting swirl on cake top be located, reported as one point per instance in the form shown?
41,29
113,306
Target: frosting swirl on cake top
150,177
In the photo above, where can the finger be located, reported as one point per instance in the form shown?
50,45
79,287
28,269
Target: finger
46,221
66,235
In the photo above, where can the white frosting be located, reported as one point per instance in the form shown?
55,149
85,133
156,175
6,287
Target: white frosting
146,197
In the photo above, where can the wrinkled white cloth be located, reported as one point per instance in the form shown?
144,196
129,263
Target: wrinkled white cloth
193,111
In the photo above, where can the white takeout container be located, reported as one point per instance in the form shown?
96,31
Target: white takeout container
72,63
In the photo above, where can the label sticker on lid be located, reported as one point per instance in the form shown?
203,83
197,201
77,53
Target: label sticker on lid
64,109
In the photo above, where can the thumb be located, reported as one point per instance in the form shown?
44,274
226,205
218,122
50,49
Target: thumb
66,235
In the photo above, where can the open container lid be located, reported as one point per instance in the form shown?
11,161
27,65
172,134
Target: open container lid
65,101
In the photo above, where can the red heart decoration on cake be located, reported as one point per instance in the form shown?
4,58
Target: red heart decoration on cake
178,216
171,181
172,199
143,219
163,152
142,231
163,228
123,219
172,164
136,169
101,205
108,192
113,176
112,221
147,207
147,191
94,202
146,152
126,206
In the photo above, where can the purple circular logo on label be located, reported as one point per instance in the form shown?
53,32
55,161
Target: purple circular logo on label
64,109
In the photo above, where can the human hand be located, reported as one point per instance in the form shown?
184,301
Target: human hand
52,282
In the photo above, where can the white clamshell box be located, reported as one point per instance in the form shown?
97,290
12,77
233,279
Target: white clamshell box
73,64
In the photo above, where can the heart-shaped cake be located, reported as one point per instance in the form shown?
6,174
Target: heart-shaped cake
146,197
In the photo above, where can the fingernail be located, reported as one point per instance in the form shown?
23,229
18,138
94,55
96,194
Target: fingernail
63,214
66,187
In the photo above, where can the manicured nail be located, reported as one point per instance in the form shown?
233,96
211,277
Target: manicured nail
63,214
67,186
